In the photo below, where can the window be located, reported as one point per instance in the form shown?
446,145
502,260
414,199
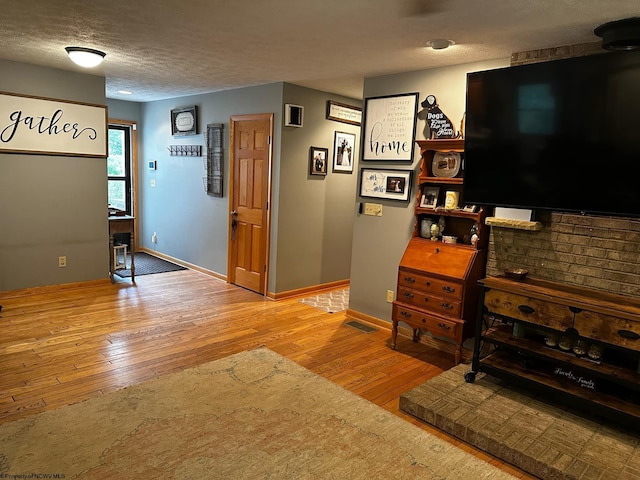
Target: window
119,167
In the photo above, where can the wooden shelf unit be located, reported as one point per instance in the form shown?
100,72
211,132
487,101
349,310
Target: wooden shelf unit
437,288
516,317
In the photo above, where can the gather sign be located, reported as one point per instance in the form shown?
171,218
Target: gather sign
53,127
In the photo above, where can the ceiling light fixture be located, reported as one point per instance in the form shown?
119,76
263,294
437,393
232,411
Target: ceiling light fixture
85,57
620,34
125,92
440,43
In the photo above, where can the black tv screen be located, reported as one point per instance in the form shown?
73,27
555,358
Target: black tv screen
561,135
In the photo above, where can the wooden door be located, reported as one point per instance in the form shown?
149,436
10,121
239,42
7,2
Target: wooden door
250,159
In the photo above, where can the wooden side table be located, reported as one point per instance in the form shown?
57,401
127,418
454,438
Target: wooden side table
121,224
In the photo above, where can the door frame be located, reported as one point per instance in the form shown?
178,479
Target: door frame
233,119
134,172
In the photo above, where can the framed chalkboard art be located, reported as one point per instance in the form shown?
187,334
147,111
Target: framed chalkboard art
389,128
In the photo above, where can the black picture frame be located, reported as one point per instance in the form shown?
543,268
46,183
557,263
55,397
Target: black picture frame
386,184
184,121
318,161
389,128
344,152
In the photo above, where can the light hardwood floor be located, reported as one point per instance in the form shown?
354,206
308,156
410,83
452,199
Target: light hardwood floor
62,345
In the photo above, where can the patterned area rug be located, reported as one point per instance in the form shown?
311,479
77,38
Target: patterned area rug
148,264
248,416
332,302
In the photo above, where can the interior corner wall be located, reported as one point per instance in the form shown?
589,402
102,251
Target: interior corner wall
315,213
52,205
379,242
191,225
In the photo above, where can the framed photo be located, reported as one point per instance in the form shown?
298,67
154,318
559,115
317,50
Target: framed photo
387,184
430,197
184,121
341,112
470,208
389,129
318,158
344,150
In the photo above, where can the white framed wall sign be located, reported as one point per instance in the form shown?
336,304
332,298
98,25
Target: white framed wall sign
48,126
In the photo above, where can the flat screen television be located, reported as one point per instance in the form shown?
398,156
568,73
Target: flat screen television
562,135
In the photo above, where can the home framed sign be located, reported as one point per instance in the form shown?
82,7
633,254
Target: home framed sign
47,126
389,128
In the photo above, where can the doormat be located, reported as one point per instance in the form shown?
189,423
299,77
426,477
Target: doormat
332,302
148,264
547,440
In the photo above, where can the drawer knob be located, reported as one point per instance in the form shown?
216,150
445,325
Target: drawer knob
426,299
448,306
526,309
444,326
628,334
404,313
408,295
448,289
428,283
409,279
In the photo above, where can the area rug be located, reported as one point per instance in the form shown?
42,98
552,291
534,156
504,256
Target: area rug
248,416
549,441
148,264
332,302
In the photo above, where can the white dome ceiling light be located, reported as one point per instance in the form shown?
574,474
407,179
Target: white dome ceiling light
85,57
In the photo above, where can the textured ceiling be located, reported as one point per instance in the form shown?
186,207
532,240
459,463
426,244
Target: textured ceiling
167,48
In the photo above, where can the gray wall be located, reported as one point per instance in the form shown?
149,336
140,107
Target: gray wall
52,205
121,110
191,225
379,242
315,212
311,217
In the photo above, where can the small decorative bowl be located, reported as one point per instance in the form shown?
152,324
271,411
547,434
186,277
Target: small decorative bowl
518,274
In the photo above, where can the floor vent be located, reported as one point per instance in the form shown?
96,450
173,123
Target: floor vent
361,326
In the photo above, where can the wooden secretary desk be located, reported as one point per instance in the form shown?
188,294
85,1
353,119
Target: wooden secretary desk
437,290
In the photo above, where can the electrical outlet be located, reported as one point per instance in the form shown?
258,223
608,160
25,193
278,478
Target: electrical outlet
374,209
154,237
62,261
389,296
152,182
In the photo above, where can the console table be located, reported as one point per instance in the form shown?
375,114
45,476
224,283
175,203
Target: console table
575,344
121,224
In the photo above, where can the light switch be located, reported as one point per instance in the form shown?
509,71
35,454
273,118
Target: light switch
152,183
374,209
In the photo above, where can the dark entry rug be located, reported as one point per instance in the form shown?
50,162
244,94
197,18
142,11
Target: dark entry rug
548,441
147,264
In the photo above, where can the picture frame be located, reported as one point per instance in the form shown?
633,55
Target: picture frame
344,151
385,184
470,208
429,197
184,121
389,128
318,159
341,112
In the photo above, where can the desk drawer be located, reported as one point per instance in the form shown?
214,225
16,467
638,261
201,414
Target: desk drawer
445,306
533,310
432,286
417,319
